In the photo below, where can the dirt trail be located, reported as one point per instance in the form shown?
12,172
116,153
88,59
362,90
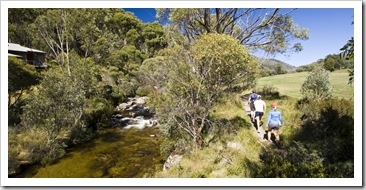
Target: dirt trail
262,135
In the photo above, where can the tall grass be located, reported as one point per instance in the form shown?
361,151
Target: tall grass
232,155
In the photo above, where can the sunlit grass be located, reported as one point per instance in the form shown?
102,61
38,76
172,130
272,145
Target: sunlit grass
234,155
290,84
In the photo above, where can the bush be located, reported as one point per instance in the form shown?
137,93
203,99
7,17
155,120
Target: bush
317,86
269,92
98,112
21,77
329,128
293,161
144,90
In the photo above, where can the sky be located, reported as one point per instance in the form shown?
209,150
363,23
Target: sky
329,29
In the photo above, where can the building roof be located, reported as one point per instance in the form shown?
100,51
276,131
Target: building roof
19,48
13,55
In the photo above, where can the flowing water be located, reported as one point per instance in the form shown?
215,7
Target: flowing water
128,150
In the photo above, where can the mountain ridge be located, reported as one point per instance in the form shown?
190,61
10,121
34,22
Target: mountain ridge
271,64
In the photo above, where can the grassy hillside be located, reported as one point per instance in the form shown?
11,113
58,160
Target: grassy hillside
243,154
290,84
270,64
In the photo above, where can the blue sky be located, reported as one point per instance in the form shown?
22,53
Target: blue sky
329,30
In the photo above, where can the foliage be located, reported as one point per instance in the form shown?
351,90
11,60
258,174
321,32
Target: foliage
144,91
317,86
335,62
293,161
154,36
21,77
57,104
128,59
19,24
348,53
269,92
192,81
329,128
348,49
303,68
279,69
331,63
269,31
98,111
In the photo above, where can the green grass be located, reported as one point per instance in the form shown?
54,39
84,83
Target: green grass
230,156
220,160
290,84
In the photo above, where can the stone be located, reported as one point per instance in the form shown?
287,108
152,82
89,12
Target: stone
172,161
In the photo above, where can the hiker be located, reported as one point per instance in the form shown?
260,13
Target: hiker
274,122
260,109
252,98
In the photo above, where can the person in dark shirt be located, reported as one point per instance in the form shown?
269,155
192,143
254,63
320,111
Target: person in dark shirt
252,98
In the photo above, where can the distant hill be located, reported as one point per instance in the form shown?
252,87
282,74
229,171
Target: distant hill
270,64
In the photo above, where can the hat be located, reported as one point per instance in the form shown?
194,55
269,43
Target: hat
259,96
273,104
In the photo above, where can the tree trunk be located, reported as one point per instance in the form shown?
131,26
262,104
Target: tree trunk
198,140
198,132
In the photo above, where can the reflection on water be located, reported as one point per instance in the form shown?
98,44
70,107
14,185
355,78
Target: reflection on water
115,153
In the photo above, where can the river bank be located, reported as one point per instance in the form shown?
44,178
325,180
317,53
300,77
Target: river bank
129,148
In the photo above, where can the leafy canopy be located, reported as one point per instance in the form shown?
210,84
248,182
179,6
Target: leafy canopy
189,82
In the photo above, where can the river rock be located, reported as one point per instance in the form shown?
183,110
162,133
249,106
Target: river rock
121,107
140,100
118,116
172,161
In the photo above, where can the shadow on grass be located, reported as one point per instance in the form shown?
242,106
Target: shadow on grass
226,126
322,147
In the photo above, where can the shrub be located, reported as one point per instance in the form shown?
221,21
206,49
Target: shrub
269,92
144,90
329,128
317,86
98,112
293,161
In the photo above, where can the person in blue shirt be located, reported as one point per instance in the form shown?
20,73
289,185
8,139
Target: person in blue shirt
252,98
274,122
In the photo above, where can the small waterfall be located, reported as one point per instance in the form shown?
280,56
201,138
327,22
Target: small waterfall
133,114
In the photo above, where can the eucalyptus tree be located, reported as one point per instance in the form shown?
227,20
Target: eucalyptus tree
54,28
122,22
154,37
190,82
256,28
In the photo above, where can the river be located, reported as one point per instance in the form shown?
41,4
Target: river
128,150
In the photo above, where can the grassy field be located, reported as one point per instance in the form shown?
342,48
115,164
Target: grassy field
290,84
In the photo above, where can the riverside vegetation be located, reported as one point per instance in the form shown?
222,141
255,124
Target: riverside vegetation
97,58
